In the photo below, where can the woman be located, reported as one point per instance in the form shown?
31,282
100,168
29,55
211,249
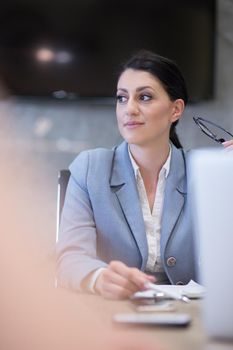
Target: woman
126,219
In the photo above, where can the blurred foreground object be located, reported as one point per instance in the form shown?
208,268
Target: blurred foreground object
36,316
211,185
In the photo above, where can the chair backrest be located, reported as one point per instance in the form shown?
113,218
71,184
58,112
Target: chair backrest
63,178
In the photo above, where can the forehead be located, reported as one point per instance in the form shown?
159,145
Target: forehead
132,79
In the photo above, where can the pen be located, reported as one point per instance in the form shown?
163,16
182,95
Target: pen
172,294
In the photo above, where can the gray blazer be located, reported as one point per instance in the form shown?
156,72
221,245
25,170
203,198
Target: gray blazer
102,218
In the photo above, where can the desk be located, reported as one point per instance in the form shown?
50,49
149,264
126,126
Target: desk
188,338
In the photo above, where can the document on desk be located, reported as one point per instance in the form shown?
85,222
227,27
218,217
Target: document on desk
192,290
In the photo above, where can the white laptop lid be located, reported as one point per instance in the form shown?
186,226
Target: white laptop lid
211,194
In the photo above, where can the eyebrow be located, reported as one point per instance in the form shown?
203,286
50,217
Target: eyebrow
138,89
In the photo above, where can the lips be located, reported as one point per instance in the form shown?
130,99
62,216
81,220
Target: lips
133,124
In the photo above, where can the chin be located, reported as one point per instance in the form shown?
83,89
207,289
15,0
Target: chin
134,141
131,137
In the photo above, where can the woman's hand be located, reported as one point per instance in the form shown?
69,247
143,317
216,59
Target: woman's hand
119,281
228,144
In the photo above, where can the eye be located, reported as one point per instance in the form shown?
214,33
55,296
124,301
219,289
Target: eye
121,98
145,97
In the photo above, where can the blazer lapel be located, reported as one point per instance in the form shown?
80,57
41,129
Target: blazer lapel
174,196
123,183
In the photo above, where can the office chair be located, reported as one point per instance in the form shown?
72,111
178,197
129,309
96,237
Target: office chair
63,178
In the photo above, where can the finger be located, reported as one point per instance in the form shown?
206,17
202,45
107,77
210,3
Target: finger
113,286
114,291
130,273
227,144
151,278
112,277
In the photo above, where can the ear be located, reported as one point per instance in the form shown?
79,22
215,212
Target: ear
178,108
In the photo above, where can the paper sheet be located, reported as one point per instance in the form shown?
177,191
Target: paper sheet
191,290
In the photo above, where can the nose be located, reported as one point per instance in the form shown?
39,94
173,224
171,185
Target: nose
132,107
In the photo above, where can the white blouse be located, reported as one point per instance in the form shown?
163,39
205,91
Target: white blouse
152,219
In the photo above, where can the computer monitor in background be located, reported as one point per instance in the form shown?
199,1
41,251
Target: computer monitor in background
73,48
211,196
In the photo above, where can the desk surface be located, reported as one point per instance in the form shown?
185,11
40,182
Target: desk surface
191,337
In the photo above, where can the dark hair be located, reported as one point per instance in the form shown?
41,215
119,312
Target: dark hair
168,74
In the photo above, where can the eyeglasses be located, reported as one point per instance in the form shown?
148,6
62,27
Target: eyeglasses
216,131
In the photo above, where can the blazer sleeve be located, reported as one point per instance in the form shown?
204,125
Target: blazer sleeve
76,247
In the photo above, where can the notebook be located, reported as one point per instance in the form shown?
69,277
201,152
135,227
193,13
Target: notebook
210,189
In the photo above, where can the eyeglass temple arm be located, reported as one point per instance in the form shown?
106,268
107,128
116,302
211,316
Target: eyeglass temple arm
198,121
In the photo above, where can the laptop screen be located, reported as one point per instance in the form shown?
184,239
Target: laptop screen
211,197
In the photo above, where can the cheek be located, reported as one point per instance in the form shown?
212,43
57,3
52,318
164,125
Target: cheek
160,114
119,115
119,118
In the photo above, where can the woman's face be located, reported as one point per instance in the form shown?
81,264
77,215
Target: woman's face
144,110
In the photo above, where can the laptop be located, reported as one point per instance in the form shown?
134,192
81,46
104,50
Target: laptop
211,197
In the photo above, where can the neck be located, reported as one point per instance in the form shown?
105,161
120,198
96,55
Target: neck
150,159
